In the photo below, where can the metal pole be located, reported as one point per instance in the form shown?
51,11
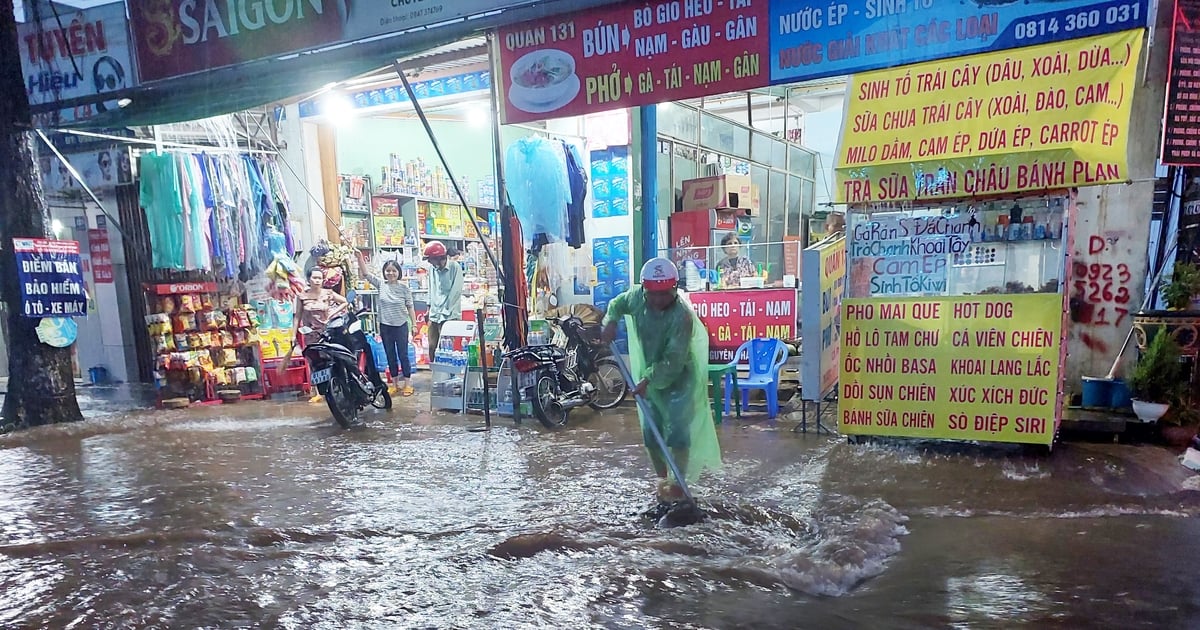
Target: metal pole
483,364
412,96
514,326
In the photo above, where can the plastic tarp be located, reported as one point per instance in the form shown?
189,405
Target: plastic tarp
535,172
677,397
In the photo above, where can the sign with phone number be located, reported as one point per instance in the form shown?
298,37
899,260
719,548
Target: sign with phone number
838,38
734,317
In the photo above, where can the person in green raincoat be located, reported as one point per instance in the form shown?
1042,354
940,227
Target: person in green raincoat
668,348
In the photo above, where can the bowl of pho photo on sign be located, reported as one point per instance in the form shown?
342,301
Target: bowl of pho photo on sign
543,81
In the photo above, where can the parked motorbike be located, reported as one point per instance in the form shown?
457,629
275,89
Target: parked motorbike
580,372
334,362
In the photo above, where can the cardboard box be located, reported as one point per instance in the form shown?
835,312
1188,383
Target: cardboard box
722,191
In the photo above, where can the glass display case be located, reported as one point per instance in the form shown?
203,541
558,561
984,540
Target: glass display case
980,248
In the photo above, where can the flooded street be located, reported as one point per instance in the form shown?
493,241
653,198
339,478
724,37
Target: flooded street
266,515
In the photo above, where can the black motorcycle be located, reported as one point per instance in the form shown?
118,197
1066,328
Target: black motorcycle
334,362
583,372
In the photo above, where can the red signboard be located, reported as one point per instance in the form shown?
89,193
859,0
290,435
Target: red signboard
98,247
733,317
1181,131
632,54
178,37
179,288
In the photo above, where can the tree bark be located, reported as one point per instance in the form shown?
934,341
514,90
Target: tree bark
41,385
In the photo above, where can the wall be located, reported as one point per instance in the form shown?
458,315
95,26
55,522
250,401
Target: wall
1113,230
365,145
301,176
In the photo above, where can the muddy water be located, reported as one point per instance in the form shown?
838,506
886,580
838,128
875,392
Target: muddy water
264,515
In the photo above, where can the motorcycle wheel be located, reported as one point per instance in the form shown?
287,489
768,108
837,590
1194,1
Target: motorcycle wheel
611,388
340,398
382,400
545,403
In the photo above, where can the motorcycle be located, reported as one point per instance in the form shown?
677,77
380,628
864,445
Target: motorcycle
334,362
580,372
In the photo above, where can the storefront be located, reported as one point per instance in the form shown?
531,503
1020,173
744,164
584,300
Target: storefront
960,234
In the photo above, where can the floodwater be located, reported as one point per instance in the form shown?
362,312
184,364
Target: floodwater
265,515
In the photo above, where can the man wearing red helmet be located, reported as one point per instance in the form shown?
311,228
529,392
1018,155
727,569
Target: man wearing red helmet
445,291
668,350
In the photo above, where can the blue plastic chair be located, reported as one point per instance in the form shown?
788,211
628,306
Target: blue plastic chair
764,358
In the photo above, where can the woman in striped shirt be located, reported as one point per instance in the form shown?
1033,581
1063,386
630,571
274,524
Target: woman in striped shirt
396,318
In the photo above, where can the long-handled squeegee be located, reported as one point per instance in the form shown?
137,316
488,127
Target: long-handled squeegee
646,412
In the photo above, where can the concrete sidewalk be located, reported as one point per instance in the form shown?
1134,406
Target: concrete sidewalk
102,400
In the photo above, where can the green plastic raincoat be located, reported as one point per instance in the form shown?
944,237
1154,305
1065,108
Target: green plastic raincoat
670,350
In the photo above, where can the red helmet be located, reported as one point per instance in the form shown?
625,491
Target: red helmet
434,249
659,274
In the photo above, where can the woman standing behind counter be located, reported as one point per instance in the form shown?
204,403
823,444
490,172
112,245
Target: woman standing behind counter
734,266
396,319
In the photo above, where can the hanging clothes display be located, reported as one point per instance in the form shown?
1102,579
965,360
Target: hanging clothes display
578,179
222,213
164,209
538,185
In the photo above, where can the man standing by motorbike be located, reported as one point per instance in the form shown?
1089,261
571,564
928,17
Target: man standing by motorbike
445,292
668,349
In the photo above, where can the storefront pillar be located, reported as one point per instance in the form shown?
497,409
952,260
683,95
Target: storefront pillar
648,154
327,152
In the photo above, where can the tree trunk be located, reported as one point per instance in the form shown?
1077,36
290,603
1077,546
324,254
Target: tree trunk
41,387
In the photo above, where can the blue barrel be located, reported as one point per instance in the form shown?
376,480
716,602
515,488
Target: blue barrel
99,375
1097,392
1122,398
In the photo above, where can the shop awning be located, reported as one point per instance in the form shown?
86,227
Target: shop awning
259,83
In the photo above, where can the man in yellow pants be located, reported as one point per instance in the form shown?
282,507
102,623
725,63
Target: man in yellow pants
668,349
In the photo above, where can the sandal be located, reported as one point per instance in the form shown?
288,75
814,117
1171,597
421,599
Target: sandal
408,391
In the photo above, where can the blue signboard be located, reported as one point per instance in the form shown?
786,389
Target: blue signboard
51,278
814,40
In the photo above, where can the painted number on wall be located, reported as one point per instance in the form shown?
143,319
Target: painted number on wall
1099,295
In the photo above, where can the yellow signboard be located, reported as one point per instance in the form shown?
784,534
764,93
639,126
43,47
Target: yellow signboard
1028,119
981,367
824,268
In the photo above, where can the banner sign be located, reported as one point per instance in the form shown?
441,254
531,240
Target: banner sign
51,278
734,317
821,314
178,37
814,40
101,254
631,54
102,169
1181,126
76,55
907,253
1033,119
978,367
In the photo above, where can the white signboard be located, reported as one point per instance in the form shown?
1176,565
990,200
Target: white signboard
78,54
